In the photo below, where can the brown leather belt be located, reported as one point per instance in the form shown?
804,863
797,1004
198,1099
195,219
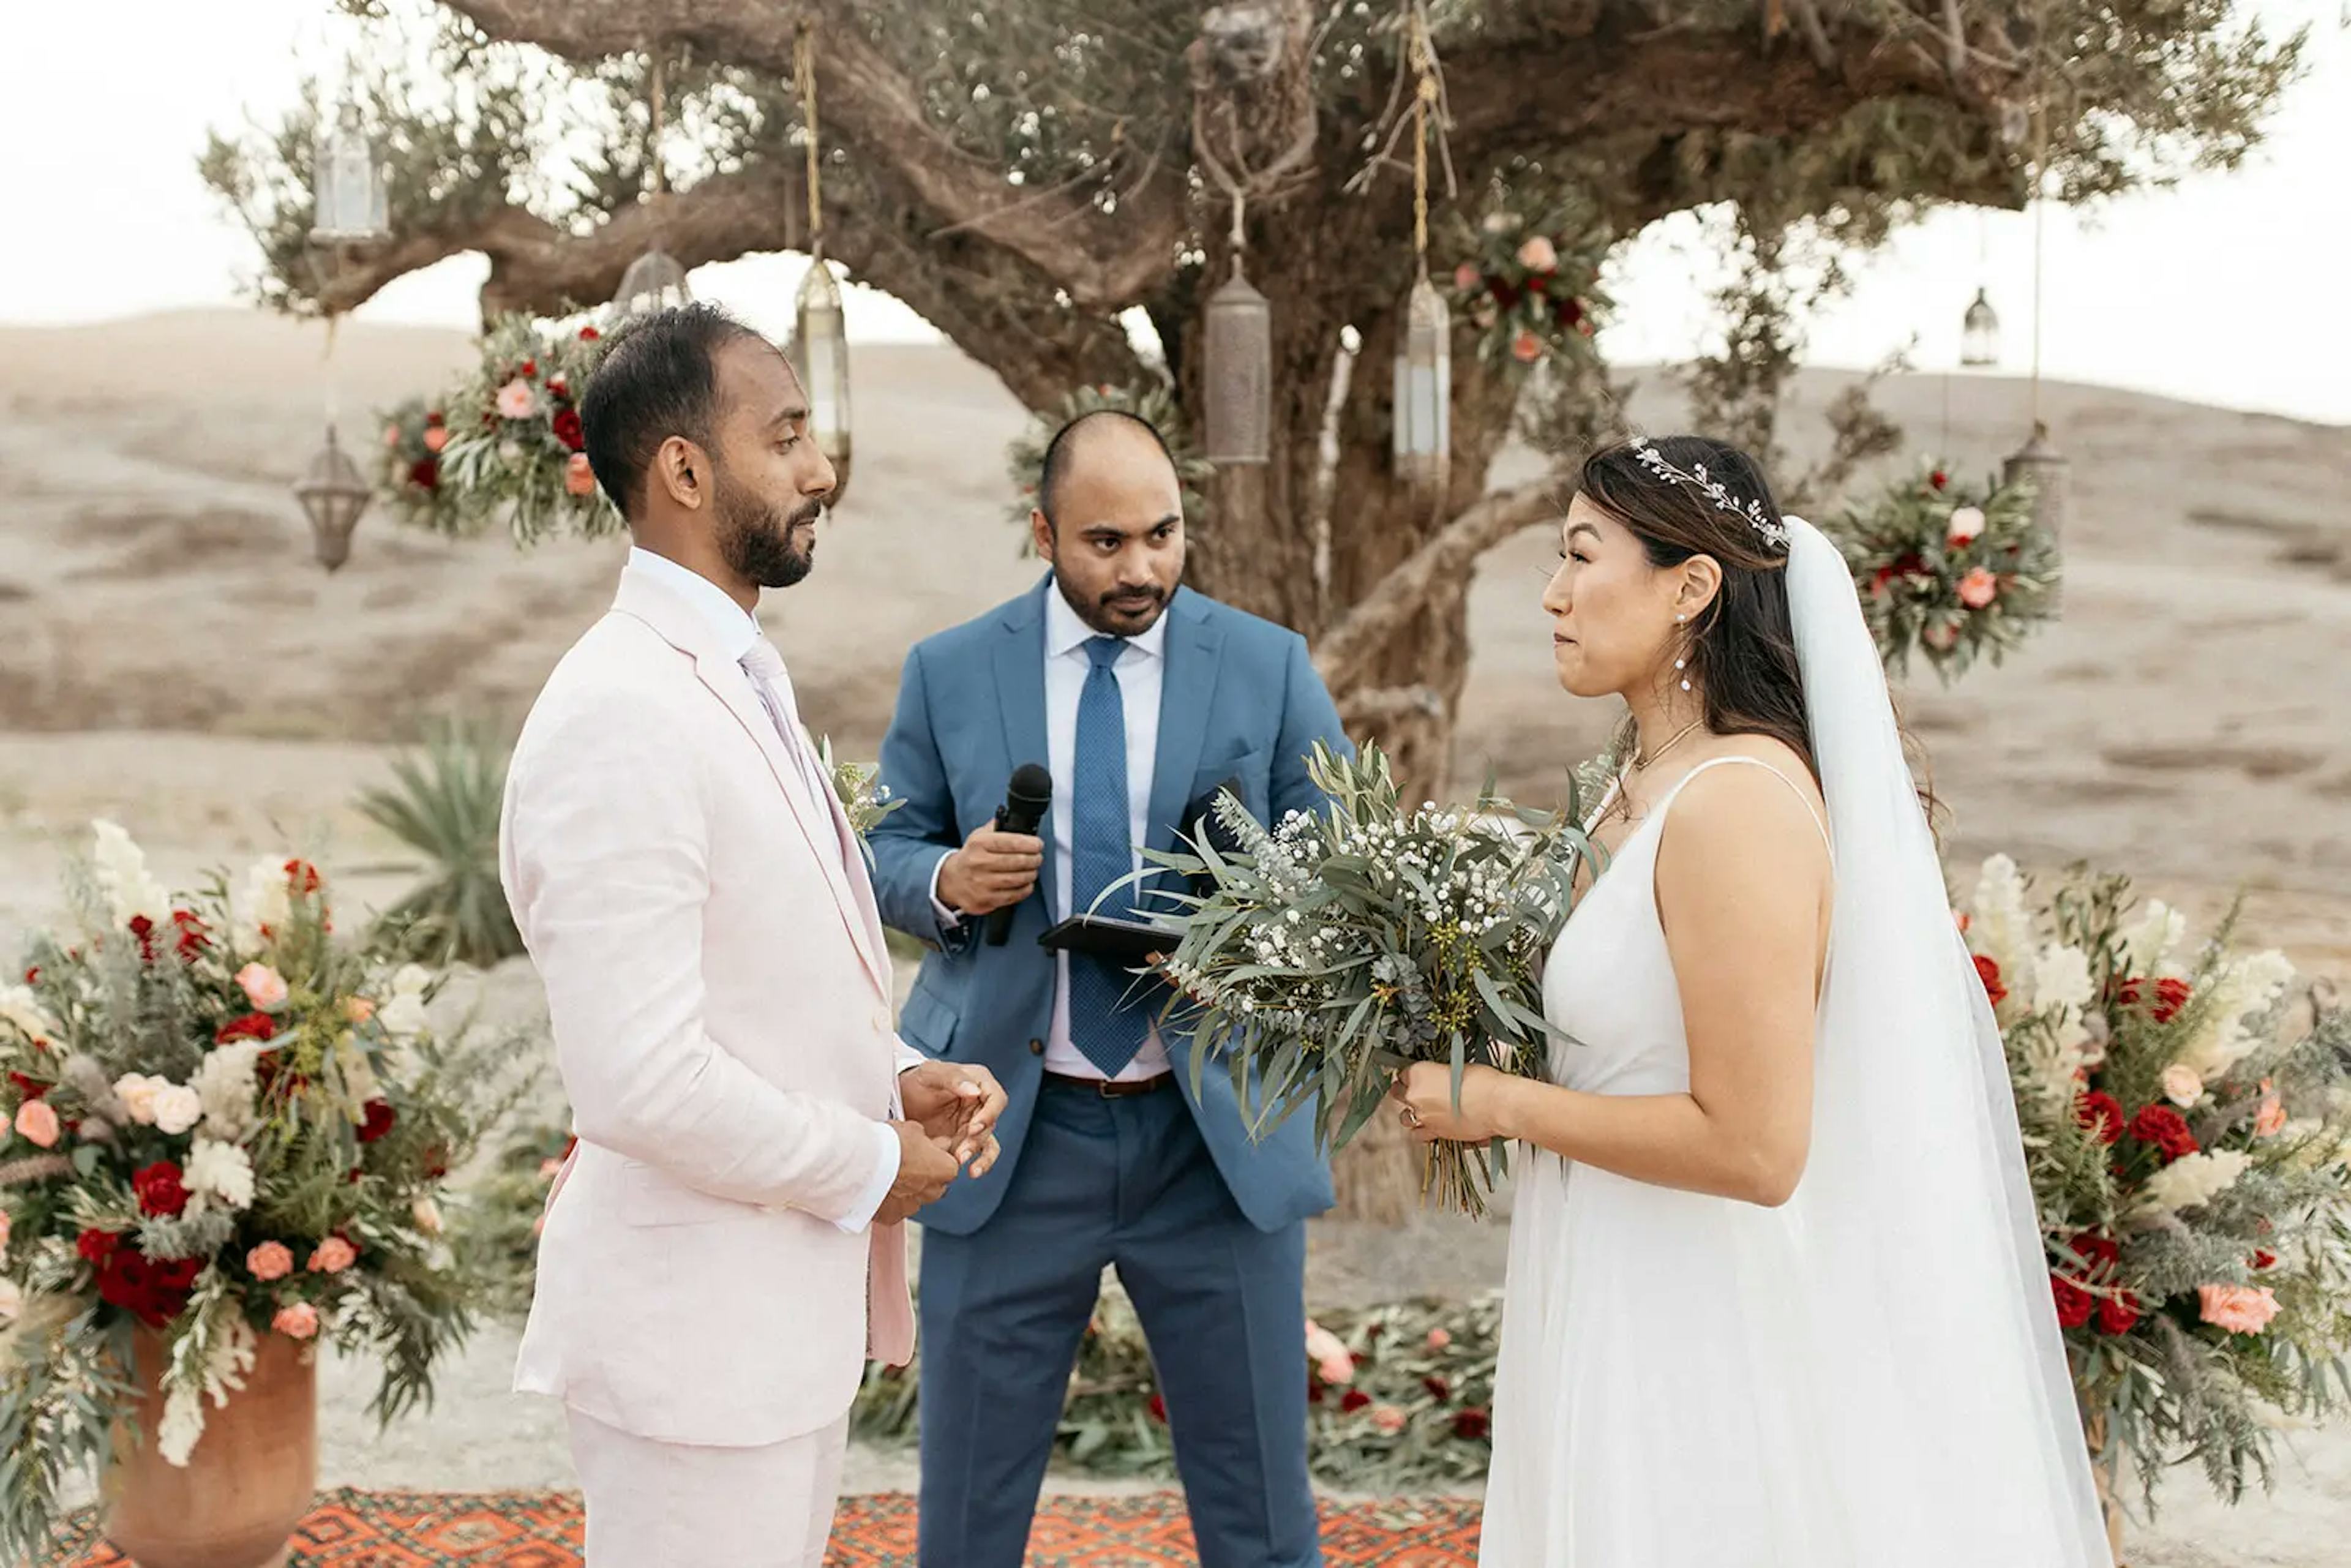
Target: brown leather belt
1109,1091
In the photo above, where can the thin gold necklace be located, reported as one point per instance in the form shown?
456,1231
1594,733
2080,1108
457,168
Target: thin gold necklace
1641,764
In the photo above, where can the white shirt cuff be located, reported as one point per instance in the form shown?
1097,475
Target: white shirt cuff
948,918
886,1176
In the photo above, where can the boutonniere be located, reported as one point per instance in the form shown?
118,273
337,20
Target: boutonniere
864,799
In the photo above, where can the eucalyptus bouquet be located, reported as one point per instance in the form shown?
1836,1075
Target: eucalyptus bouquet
1338,948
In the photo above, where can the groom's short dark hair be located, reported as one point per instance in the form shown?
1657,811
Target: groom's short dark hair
656,381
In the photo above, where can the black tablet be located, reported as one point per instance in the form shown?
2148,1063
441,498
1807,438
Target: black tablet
1130,942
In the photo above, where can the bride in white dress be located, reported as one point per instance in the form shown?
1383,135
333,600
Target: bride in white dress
1777,1292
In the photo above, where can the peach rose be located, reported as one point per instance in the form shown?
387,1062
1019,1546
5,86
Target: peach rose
263,986
436,438
1538,255
1339,1368
5,1226
1941,636
269,1262
390,437
333,1256
2240,1309
38,1120
579,475
300,1321
516,400
1439,1338
2182,1085
358,1009
2269,1119
1978,588
1526,348
1967,524
1467,275
1387,1418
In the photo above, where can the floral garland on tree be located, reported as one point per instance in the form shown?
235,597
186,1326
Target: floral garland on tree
505,445
1153,401
1529,294
2191,1162
1952,574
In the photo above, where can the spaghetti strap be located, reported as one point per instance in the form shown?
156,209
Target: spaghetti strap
1809,810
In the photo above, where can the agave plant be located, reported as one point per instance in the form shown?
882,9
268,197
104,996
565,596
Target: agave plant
444,803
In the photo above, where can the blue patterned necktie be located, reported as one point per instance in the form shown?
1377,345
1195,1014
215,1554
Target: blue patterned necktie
1103,851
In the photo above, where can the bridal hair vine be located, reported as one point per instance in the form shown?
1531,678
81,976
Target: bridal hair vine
1772,530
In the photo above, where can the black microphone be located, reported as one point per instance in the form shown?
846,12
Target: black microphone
1027,799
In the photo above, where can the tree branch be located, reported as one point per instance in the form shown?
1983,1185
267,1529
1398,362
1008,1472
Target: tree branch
1101,261
1348,649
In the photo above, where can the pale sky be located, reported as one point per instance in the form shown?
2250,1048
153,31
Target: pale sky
2228,290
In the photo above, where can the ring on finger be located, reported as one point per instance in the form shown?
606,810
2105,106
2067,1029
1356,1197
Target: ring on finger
1409,1116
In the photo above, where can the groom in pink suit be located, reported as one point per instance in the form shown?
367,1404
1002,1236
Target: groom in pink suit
724,1247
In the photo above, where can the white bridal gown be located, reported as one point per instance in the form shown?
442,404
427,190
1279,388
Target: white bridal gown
1868,1376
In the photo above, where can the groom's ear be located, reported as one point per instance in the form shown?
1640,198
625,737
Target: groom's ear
681,469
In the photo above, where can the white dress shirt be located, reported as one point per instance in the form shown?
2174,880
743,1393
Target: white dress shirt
738,632
1141,671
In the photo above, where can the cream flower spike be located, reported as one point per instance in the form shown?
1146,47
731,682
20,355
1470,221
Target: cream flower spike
1773,531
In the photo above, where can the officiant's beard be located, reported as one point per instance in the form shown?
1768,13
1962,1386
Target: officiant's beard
762,542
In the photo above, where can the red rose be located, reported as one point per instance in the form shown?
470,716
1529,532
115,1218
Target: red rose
1472,1424
1938,478
194,936
1569,311
2102,1112
568,430
432,420
379,1118
2264,1259
26,1087
1438,1388
246,1025
2165,1128
1987,971
2170,996
2118,1313
97,1246
589,334
1354,1399
530,367
2100,1252
144,929
425,473
2074,1304
1159,1409
159,1190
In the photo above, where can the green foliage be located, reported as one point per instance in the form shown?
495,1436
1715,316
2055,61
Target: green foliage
444,803
495,1227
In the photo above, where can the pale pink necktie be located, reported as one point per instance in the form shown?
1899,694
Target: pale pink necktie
765,665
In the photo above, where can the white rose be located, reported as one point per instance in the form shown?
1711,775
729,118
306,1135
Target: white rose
137,1091
177,1109
427,1215
2190,1181
2182,1085
1967,524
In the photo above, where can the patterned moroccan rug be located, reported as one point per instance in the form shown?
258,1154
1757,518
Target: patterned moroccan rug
541,1529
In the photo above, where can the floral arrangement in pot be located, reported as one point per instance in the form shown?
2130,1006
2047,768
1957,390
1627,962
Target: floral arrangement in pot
1947,573
227,1140
2187,1130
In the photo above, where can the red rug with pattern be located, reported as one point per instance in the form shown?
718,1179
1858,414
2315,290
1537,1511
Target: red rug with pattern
541,1529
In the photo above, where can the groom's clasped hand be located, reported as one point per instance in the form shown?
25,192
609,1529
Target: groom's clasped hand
949,1130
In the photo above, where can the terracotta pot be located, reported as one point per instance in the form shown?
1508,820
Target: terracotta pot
247,1486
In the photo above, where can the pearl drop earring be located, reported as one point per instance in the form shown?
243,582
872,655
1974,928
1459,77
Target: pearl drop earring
1682,663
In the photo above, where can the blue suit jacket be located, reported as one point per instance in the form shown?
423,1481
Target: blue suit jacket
1241,700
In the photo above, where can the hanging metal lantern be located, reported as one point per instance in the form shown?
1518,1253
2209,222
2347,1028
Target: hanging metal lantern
1238,374
1979,334
653,282
333,496
1423,396
2050,473
350,203
820,354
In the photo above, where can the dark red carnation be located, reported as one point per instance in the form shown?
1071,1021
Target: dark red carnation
1472,1424
2165,1128
2100,1252
2118,1313
144,929
246,1025
530,367
1438,1387
97,1246
1354,1399
589,334
2102,1113
1159,1409
159,1190
1938,478
433,419
1987,971
379,1118
26,1087
2170,996
567,429
2074,1304
303,877
2266,1260
425,473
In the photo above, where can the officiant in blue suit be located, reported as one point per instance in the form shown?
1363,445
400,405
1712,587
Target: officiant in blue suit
1142,699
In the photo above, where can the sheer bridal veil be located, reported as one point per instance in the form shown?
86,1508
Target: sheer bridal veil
1949,1395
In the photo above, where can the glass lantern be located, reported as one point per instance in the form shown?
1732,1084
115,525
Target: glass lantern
654,282
1423,396
1238,374
821,355
333,496
351,205
1979,334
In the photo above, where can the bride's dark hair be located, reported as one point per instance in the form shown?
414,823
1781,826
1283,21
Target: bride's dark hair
1742,648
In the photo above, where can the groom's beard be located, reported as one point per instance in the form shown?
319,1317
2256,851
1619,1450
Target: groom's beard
764,544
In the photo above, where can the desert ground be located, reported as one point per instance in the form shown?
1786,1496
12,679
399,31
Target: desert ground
169,656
